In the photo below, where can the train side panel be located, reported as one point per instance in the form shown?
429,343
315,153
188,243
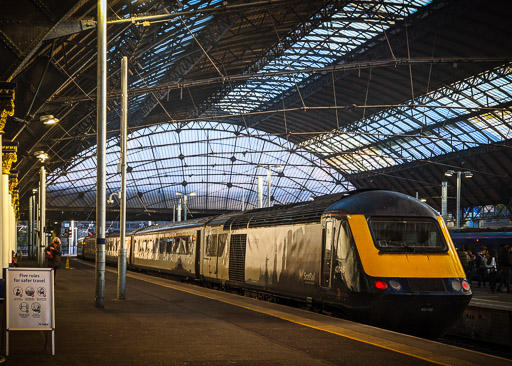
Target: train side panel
171,251
285,260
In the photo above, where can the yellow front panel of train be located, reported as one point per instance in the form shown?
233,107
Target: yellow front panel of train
404,265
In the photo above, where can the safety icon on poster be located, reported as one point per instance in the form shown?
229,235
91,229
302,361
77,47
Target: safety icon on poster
29,291
17,291
41,292
36,307
24,307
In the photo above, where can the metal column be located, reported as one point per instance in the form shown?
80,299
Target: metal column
6,227
260,192
268,186
42,216
184,207
30,225
458,198
101,140
444,200
121,264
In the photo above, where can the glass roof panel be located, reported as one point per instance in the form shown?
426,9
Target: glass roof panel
442,111
344,31
216,161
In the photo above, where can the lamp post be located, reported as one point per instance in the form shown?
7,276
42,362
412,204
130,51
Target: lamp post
42,156
260,185
467,174
185,207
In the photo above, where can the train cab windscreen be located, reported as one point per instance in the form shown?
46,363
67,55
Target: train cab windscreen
406,235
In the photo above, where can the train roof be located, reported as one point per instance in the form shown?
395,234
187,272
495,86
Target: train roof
368,202
175,225
294,213
381,203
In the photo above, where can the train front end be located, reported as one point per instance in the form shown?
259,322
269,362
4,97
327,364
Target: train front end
394,264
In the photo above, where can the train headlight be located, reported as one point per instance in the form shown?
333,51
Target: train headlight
381,285
395,285
465,285
456,285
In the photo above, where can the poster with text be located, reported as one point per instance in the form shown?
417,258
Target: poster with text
29,298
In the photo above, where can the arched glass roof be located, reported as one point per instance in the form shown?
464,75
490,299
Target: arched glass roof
217,162
434,124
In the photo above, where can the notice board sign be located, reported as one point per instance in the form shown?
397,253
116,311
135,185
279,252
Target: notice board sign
29,299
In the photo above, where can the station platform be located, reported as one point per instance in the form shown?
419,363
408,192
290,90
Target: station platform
164,322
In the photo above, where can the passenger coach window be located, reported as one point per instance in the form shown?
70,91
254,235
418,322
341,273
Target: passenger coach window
407,235
170,242
162,245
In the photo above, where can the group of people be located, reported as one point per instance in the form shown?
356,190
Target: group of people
488,264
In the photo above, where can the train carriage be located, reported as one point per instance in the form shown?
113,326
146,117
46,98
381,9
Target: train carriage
172,248
378,257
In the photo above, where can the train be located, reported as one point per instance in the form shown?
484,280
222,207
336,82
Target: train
378,257
476,240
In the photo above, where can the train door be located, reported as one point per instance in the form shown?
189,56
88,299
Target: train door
328,240
340,270
198,254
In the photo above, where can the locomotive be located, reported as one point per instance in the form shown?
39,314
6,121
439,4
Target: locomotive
377,257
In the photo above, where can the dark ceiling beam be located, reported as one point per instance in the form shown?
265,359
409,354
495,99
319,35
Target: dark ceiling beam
67,28
28,55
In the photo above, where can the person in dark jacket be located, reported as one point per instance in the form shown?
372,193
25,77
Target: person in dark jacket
505,261
52,255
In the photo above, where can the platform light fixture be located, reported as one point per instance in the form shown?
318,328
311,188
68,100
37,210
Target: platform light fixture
41,155
49,119
185,207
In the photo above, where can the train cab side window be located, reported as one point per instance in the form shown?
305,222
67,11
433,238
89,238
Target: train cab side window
346,270
223,239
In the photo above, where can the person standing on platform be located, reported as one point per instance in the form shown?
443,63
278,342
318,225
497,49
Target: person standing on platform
481,266
505,261
492,268
52,255
466,259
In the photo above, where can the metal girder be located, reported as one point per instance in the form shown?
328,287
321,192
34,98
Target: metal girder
436,160
418,132
28,55
417,26
70,27
208,38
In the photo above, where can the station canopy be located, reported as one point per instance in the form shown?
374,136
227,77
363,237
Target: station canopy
315,97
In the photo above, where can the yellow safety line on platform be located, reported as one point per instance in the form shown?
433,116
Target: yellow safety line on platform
375,341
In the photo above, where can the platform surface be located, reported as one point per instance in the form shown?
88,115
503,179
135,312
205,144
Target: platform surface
164,322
